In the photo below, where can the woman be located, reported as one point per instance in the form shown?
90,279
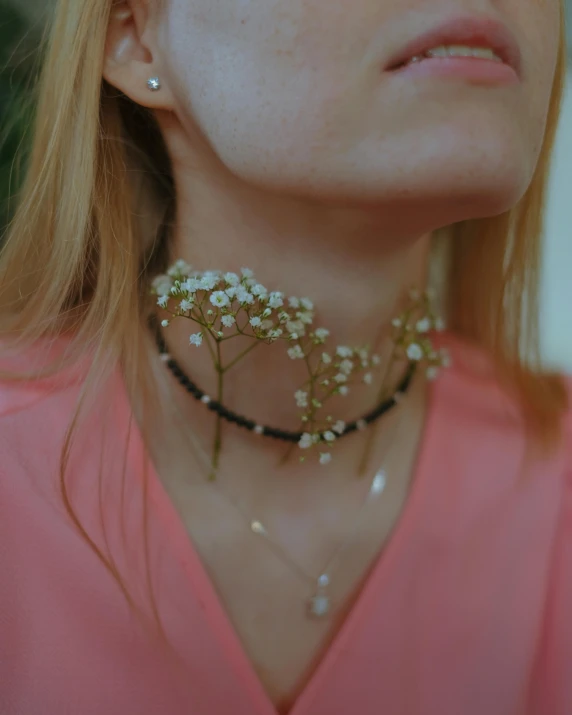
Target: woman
156,557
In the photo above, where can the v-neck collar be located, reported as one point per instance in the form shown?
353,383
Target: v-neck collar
214,612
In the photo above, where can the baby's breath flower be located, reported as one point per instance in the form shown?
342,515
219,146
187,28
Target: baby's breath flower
414,352
244,296
305,318
439,325
445,357
231,279
165,323
339,427
306,441
432,372
180,267
259,290
344,352
191,285
208,281
220,299
162,284
295,326
230,293
275,300
301,398
295,353
186,305
346,366
228,320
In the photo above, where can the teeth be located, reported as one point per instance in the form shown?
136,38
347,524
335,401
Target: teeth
484,53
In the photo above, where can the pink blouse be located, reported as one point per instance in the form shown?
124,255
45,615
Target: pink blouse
467,612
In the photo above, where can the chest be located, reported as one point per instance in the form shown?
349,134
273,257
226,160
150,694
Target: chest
262,587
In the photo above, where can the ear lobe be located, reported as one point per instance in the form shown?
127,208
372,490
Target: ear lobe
128,62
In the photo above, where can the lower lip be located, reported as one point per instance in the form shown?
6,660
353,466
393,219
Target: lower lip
468,68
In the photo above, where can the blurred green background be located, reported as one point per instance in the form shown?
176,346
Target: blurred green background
19,50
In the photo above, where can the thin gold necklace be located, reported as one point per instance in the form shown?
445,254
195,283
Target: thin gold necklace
320,602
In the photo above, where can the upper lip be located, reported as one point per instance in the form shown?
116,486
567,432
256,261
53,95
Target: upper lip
471,31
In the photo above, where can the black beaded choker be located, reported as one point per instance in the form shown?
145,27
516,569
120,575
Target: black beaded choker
283,435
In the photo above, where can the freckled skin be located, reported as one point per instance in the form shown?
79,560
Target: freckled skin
291,96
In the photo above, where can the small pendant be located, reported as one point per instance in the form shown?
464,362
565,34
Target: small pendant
320,603
319,606
378,483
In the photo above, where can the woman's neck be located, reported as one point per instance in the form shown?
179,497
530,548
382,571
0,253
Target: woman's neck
351,261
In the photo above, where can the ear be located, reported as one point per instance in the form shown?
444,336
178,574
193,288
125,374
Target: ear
130,60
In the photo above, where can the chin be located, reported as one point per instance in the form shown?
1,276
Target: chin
474,184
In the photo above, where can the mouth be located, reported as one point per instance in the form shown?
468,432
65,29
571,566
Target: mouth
469,38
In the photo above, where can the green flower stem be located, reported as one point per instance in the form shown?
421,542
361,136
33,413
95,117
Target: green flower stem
369,443
208,334
241,355
287,454
312,392
218,427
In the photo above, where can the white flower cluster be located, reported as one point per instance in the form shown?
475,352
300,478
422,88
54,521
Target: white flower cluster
220,301
225,305
411,331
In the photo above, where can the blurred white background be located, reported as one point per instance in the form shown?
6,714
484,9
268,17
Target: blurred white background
557,276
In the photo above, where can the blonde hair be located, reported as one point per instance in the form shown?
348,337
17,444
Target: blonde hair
76,261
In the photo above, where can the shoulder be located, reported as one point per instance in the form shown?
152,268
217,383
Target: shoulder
24,380
470,391
473,402
37,411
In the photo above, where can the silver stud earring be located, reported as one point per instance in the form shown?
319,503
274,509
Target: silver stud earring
154,84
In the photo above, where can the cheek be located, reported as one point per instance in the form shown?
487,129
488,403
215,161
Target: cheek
268,74
289,93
